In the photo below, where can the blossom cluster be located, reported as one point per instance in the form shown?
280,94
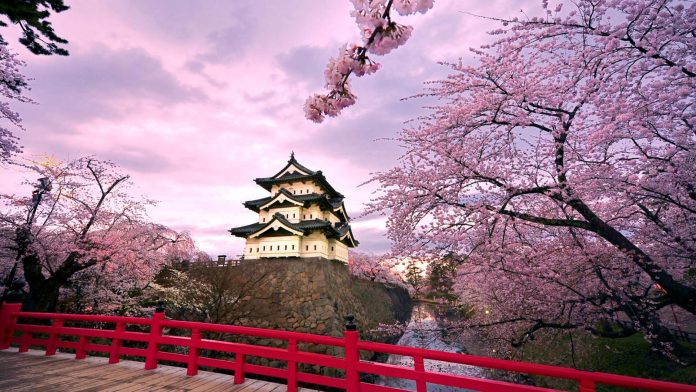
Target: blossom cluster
11,83
380,36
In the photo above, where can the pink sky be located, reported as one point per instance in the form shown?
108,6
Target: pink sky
196,99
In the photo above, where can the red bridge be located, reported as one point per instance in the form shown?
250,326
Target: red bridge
48,330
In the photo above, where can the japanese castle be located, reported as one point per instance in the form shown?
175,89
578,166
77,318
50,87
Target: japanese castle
303,217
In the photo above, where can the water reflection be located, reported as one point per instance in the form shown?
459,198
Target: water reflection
422,331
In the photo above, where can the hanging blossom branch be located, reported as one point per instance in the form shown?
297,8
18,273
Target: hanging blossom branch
380,36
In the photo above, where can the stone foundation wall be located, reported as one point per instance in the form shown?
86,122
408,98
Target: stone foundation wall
313,295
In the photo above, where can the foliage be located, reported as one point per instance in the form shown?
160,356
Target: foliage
441,275
561,166
630,356
414,276
37,32
82,234
380,36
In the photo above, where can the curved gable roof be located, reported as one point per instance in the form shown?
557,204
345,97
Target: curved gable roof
292,162
281,197
276,223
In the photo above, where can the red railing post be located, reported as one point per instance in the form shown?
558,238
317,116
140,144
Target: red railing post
292,366
192,368
152,344
587,385
81,351
352,354
26,339
419,367
53,337
7,323
239,359
116,342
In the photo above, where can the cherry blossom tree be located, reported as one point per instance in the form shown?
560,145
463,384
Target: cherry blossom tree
374,268
80,228
560,167
380,36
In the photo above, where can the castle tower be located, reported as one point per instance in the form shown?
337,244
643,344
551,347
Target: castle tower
303,217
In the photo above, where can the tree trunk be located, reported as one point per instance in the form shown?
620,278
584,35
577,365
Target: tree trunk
43,298
43,293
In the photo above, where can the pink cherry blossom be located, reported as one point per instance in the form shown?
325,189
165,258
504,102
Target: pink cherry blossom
12,81
380,35
84,237
560,171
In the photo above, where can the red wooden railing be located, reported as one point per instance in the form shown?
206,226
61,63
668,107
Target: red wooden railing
19,332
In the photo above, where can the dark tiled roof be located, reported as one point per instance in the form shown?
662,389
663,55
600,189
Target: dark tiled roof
293,161
244,231
314,224
336,202
328,204
304,226
268,182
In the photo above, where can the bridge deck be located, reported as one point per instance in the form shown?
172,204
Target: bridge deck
32,371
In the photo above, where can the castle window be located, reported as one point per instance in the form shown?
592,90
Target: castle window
251,250
264,248
315,247
332,248
286,247
306,247
293,191
311,216
257,250
264,219
293,247
293,215
278,248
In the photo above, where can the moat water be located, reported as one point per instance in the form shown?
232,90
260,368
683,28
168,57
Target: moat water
422,331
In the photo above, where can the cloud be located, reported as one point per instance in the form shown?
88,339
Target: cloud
305,64
229,44
102,83
372,240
